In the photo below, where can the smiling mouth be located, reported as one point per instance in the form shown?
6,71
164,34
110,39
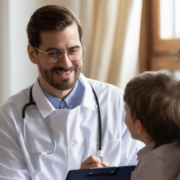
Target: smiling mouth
62,72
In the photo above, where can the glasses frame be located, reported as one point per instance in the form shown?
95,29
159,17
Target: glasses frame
83,50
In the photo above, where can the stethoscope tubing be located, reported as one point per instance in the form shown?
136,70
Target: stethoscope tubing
99,119
31,102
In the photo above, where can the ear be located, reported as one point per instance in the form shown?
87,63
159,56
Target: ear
139,126
32,54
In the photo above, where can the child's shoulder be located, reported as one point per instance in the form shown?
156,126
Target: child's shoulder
166,148
169,153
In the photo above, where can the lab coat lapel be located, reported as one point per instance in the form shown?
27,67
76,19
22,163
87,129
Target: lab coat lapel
88,100
44,106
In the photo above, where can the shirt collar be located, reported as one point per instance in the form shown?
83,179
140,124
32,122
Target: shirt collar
145,150
54,101
45,107
71,101
75,97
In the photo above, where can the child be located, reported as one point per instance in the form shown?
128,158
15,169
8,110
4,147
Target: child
153,117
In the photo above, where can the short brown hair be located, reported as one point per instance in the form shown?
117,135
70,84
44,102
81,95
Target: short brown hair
47,18
154,99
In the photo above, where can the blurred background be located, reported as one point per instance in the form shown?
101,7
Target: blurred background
122,38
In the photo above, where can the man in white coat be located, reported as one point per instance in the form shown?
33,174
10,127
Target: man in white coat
54,126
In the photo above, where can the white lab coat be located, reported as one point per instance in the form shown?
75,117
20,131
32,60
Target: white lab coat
75,132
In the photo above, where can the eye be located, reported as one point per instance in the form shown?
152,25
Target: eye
74,50
53,53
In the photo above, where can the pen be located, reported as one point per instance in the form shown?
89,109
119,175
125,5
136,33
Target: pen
100,156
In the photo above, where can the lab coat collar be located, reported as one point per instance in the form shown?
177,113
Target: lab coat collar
43,104
88,100
46,108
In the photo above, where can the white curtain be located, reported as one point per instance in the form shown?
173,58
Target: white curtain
113,40
111,35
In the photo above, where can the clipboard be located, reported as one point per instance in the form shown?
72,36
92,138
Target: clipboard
105,173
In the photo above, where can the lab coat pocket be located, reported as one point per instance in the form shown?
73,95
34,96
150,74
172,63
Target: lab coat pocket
111,151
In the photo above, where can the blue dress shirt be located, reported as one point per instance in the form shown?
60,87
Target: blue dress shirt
71,101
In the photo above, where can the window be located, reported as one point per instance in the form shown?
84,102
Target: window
160,35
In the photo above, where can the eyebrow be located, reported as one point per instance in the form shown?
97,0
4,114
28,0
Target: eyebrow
54,48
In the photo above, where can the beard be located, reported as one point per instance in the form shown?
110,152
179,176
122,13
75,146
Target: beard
62,84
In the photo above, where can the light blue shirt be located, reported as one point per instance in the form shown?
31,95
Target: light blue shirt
71,101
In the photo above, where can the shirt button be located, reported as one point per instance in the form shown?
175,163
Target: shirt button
62,104
71,145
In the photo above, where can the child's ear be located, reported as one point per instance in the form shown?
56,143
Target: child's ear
32,54
139,126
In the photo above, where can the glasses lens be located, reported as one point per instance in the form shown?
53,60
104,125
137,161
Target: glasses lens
75,54
53,55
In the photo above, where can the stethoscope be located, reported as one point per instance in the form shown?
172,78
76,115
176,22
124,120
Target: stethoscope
31,102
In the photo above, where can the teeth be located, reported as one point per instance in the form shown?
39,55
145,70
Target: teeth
64,73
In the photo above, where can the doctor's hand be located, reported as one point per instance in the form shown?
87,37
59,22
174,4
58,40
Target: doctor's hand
93,162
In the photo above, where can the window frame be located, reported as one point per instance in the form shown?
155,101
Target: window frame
156,53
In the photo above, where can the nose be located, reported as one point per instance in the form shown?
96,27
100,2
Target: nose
64,61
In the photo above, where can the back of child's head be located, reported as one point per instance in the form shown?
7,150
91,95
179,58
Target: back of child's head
154,99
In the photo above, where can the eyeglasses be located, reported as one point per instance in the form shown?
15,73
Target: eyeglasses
54,55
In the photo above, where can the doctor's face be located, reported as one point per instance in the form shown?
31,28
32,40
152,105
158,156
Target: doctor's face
61,75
